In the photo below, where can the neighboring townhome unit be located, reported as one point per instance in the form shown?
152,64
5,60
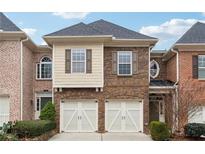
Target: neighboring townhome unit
25,74
101,78
189,51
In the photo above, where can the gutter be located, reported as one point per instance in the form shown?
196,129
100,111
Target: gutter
21,78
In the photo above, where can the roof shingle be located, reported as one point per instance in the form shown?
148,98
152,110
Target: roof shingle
196,34
100,27
6,24
80,29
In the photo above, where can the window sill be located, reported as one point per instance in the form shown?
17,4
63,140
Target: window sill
124,75
201,78
43,79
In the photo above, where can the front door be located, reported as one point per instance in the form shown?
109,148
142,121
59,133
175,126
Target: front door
41,100
156,111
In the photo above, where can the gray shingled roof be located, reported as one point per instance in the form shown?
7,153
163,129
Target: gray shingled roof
100,27
196,34
161,83
6,24
80,29
108,28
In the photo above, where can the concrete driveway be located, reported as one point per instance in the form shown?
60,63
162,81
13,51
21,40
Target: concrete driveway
101,137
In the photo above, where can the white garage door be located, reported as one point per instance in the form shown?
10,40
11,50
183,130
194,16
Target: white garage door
79,116
124,116
4,110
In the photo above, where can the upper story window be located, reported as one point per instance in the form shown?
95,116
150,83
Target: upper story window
201,66
44,68
154,69
124,63
78,60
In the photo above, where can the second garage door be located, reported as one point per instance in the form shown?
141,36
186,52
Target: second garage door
4,110
79,116
124,116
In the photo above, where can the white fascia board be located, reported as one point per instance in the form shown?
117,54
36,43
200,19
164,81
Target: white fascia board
162,87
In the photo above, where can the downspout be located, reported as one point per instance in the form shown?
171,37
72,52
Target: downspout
21,78
176,88
150,49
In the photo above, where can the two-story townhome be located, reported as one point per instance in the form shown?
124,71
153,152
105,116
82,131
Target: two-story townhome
25,74
101,77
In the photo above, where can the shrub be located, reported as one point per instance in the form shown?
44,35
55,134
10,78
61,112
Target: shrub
194,130
8,137
159,131
48,112
33,128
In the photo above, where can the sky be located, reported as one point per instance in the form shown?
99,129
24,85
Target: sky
167,27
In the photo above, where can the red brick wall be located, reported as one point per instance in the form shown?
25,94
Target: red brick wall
185,70
10,75
171,69
27,84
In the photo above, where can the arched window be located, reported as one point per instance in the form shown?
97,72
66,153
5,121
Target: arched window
154,69
44,68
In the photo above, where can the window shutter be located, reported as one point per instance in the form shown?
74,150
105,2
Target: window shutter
114,62
134,62
68,61
38,71
195,67
88,60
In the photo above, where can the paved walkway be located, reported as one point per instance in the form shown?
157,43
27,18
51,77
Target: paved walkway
101,137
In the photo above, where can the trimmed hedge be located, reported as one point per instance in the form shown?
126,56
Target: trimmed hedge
48,112
194,130
159,131
33,128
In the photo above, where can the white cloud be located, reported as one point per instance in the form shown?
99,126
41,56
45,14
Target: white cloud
71,15
29,31
170,30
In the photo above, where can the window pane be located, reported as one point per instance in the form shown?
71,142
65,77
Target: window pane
78,56
78,67
38,71
46,59
201,73
44,101
201,61
125,57
124,69
46,70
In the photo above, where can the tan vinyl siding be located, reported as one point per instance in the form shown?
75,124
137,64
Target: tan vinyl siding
62,79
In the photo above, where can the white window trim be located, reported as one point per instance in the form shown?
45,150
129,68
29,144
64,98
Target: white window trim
84,50
158,69
131,61
39,78
200,78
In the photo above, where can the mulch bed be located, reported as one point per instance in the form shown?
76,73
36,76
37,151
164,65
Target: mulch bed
182,138
43,137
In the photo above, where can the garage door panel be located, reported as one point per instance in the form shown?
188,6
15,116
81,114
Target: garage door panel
4,110
70,120
88,121
114,120
132,120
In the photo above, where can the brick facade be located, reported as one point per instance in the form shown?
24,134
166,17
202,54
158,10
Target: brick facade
115,87
171,69
10,75
27,83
